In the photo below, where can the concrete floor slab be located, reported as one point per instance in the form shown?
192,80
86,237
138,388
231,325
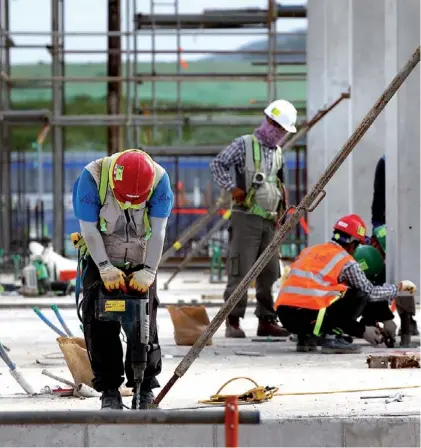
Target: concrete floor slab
315,419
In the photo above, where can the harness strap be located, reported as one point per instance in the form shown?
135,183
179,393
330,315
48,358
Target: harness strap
257,153
103,188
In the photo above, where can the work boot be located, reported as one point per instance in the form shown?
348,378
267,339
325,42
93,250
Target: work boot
306,343
338,345
146,398
233,329
111,399
414,328
269,327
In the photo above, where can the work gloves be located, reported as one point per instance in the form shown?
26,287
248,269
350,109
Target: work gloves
373,335
141,280
389,327
407,285
113,278
238,195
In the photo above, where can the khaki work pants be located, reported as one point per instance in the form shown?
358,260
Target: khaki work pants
249,235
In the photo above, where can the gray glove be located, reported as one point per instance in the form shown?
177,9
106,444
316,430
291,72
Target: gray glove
372,335
390,328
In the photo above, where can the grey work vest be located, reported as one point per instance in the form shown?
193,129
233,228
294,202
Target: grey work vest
268,195
124,237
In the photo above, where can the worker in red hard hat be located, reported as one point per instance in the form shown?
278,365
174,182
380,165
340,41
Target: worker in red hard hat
326,291
123,203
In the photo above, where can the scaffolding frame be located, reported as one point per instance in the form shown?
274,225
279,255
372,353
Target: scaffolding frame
130,121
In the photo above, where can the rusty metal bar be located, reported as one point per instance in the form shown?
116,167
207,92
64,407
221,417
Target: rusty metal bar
117,417
114,74
309,202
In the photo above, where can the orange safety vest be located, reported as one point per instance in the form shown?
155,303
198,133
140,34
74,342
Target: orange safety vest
313,281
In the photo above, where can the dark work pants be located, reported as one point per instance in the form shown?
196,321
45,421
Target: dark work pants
342,315
104,344
249,235
376,312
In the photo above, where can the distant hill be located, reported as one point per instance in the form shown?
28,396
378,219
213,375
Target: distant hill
291,41
204,92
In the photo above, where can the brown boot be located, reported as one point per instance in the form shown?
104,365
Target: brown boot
269,327
233,329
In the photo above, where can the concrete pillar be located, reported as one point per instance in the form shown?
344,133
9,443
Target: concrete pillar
365,43
403,145
368,83
329,76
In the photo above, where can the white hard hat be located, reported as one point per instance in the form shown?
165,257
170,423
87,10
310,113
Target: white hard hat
283,113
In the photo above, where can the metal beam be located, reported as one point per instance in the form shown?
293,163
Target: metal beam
115,417
218,19
5,180
114,71
57,129
19,116
120,120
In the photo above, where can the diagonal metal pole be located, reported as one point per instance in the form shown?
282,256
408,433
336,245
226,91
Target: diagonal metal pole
195,227
310,201
217,226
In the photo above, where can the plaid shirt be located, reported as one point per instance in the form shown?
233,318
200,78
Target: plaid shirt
353,276
235,156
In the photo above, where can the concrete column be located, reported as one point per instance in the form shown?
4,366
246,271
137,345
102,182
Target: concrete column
329,76
368,83
403,145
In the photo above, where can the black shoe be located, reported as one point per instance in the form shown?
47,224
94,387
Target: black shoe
111,399
306,343
146,399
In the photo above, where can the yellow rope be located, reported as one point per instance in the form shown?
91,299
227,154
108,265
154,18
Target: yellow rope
260,394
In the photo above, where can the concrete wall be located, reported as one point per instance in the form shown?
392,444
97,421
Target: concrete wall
363,44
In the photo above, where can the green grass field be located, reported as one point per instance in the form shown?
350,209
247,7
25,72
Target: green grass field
237,93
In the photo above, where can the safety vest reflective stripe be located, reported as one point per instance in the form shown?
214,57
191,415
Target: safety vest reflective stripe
333,262
304,274
309,292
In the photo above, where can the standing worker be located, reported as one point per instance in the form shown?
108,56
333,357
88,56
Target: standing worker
123,203
259,198
326,292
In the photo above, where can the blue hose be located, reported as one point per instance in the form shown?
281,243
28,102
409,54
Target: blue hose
61,320
5,357
45,320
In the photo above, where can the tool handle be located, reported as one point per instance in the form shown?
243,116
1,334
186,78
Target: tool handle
61,320
50,324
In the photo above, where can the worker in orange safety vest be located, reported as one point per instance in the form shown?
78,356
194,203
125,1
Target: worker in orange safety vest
326,291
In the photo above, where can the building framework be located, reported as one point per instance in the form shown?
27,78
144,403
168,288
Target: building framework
124,127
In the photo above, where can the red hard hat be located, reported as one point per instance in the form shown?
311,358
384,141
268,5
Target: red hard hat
353,226
132,176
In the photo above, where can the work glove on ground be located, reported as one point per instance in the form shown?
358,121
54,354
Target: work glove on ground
141,280
238,195
389,327
113,278
373,335
407,285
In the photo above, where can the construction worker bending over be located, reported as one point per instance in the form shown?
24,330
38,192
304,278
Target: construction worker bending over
326,292
371,258
123,203
258,199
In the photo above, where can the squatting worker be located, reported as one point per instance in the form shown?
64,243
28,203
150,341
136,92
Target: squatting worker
258,196
326,291
123,203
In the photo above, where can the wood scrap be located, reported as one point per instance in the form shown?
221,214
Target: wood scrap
394,361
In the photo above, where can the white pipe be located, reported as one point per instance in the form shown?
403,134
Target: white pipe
85,391
22,382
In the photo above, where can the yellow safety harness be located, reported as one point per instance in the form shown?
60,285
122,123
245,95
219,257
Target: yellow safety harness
249,201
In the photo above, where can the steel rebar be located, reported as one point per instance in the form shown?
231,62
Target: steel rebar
310,201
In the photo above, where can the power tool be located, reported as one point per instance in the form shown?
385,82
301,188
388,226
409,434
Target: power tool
132,311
